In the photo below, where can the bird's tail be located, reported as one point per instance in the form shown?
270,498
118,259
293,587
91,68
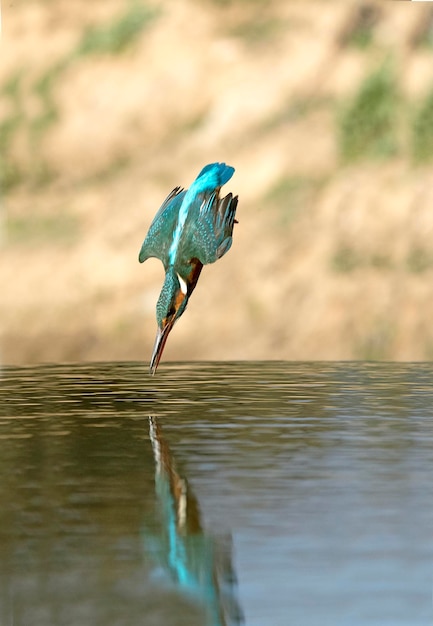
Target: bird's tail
213,176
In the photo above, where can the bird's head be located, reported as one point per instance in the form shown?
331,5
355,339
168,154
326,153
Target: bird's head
171,304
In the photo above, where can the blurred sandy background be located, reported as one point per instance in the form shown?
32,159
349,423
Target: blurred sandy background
324,108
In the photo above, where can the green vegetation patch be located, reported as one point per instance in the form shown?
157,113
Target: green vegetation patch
119,164
61,228
345,259
11,90
115,37
8,129
296,109
291,194
419,260
10,175
422,131
368,126
258,30
377,344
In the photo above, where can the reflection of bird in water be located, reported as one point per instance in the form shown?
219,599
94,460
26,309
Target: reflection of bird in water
195,560
193,227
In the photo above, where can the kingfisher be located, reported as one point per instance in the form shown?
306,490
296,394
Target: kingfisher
192,228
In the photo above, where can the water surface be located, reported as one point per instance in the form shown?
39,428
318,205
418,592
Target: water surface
213,494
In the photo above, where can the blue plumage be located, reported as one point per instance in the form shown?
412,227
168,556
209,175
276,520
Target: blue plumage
212,176
191,229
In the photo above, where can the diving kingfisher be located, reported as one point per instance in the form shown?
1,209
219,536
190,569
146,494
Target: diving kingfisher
193,227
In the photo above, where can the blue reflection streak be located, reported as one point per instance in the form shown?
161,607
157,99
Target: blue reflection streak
185,551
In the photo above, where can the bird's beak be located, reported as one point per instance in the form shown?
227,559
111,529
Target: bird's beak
161,338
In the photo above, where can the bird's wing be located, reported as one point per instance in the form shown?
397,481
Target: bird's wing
210,235
157,241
